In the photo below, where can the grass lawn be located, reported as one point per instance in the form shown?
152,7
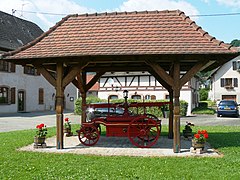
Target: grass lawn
31,165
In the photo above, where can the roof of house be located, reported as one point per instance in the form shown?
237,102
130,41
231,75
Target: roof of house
16,32
125,33
96,86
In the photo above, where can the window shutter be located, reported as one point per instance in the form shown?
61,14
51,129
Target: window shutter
40,96
234,65
13,95
235,81
12,67
222,82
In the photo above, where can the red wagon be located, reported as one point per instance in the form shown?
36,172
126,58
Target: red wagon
143,130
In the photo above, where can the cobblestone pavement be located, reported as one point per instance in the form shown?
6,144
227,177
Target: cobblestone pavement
121,146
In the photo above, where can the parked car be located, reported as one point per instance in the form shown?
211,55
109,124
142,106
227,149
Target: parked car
227,108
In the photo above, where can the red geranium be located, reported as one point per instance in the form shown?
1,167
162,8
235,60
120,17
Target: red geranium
42,130
197,136
206,136
67,123
201,136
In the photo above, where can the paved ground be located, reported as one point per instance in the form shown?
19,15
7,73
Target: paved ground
109,146
20,121
115,146
29,120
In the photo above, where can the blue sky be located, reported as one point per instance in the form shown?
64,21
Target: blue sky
224,28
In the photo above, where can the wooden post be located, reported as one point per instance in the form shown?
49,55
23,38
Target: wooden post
59,105
170,124
176,95
83,119
84,96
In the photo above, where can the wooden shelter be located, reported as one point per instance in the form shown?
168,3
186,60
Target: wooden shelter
164,43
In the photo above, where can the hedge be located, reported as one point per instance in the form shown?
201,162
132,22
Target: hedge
153,110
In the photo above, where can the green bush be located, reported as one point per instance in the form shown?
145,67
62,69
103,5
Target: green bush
149,110
203,94
203,110
203,104
89,100
183,107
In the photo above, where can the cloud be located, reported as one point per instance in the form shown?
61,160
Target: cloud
230,3
61,7
65,7
141,5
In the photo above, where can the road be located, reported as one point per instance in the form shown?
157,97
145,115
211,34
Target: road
21,121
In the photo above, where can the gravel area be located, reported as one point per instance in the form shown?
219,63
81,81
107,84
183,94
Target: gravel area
115,146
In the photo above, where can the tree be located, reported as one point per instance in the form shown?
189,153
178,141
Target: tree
235,43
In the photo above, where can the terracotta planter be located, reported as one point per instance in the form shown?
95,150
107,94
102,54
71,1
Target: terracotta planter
39,140
196,144
68,132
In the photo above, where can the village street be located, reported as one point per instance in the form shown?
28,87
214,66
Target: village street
29,120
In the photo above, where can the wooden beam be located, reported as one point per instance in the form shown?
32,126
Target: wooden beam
72,74
84,96
170,122
80,83
176,95
59,105
76,84
161,72
160,80
94,80
196,68
48,76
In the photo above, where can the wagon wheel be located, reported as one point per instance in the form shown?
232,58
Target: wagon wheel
98,128
152,117
143,132
88,135
155,119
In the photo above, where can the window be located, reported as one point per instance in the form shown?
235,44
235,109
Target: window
4,66
4,95
113,97
153,97
29,70
41,96
147,97
12,67
136,97
236,65
167,96
229,82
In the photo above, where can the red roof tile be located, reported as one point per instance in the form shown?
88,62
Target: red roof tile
135,33
96,86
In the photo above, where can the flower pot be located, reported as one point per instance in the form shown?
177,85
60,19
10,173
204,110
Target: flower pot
39,140
68,132
196,144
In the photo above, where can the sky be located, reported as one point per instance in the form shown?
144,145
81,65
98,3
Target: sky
46,13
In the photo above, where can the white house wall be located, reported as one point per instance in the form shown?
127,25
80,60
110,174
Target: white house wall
145,85
31,84
226,71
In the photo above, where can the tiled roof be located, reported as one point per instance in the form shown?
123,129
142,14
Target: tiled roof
96,86
134,33
16,32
